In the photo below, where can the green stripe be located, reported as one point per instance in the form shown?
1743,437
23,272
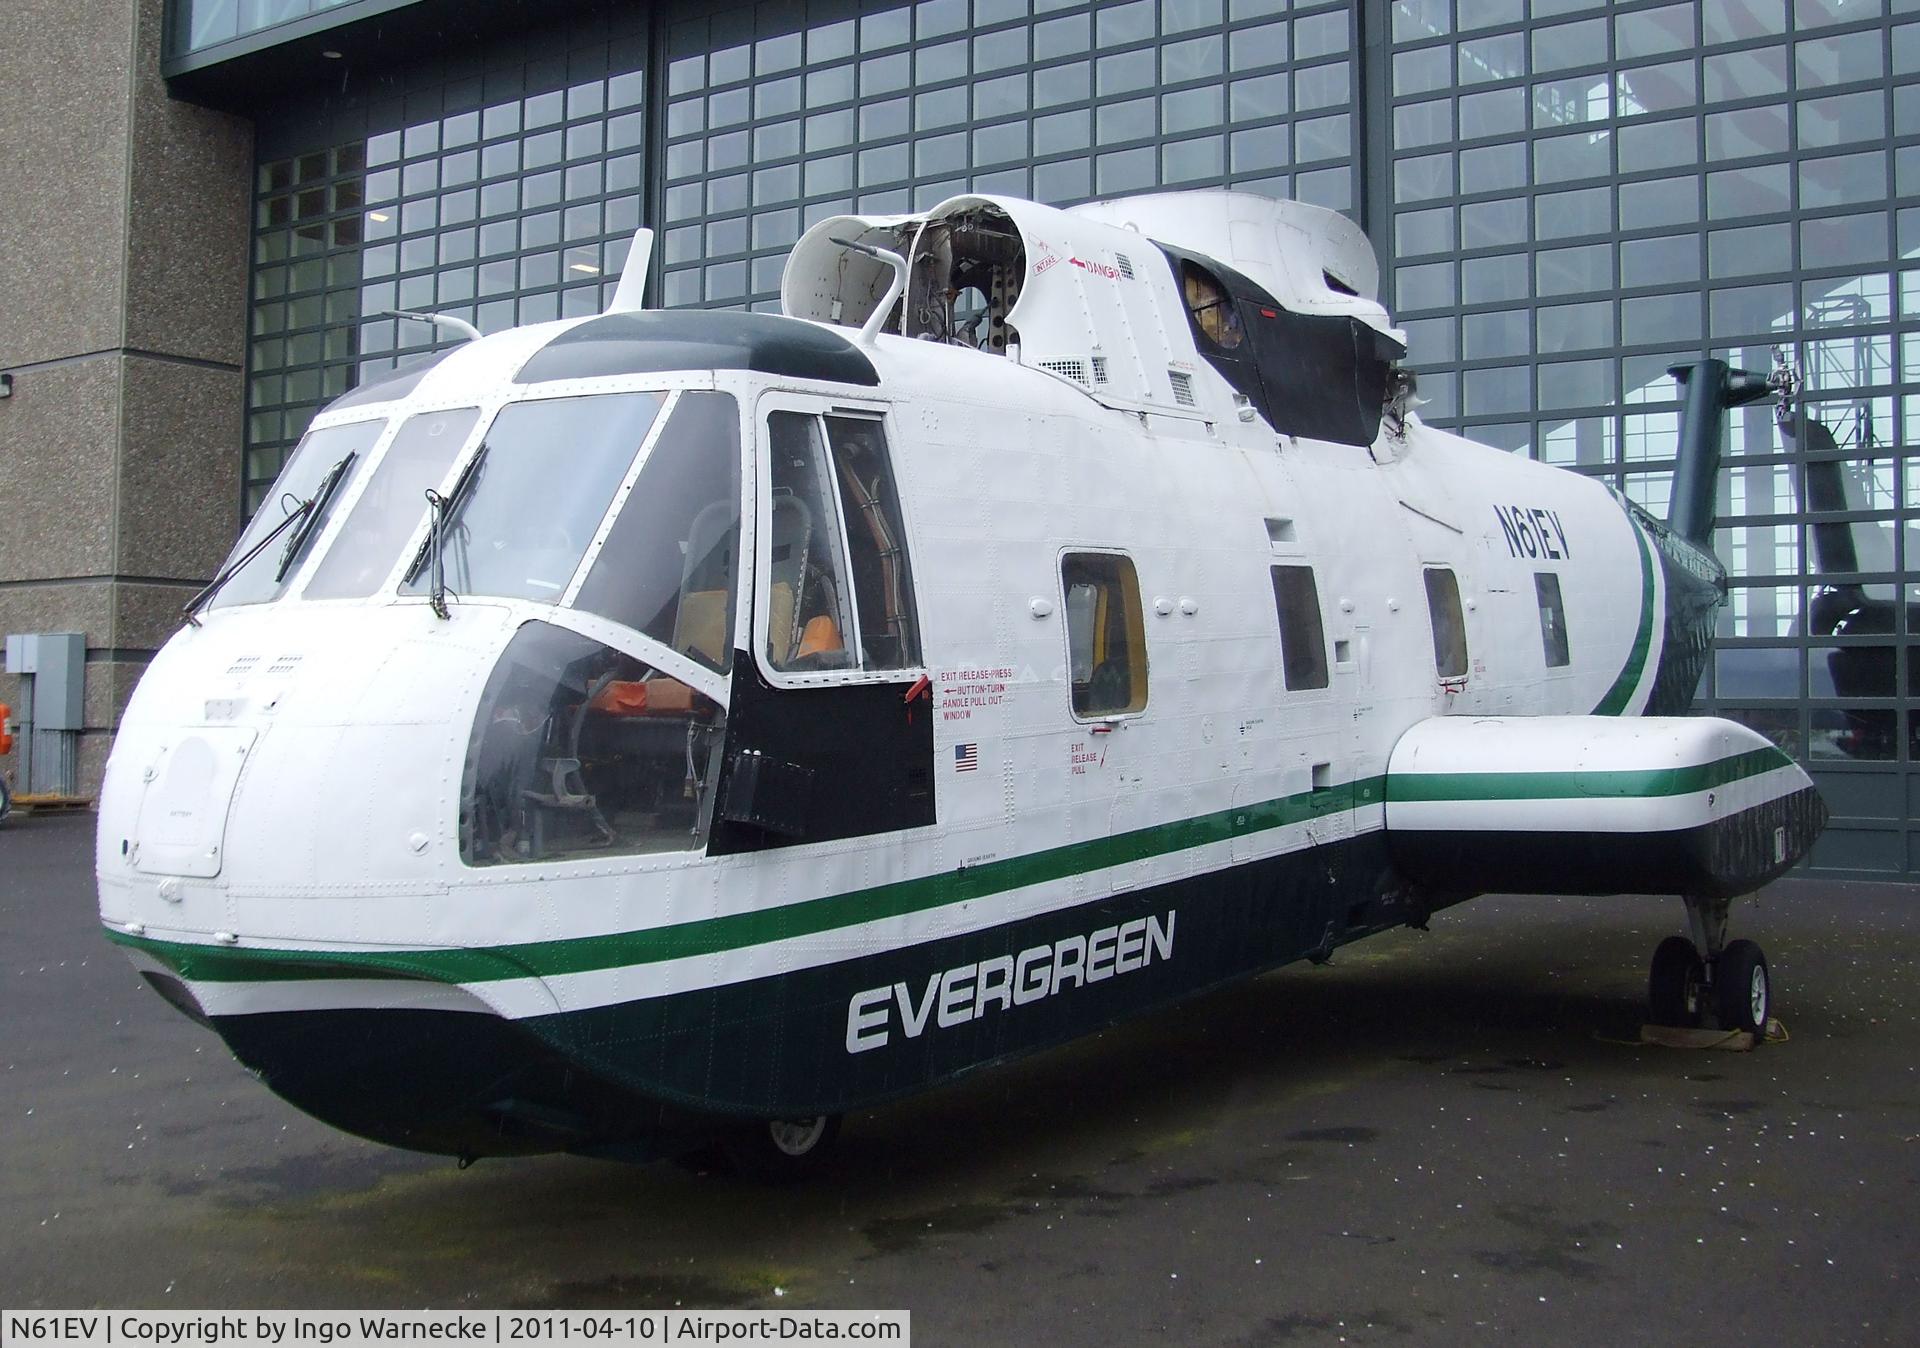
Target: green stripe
740,930
1631,784
1617,696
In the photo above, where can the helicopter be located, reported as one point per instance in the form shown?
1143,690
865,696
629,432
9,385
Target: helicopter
661,726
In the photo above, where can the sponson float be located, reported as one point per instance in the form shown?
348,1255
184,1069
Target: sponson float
628,729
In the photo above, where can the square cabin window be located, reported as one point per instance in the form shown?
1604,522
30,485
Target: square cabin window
1449,623
1553,619
1106,634
1303,640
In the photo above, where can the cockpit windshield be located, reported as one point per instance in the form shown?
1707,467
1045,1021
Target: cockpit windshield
368,546
543,478
316,475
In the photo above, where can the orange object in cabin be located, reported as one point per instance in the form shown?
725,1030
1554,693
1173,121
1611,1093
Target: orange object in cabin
821,634
634,697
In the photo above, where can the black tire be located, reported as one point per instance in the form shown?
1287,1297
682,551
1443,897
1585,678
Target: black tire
1676,984
1743,989
781,1151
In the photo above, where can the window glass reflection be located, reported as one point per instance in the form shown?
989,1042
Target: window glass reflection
536,490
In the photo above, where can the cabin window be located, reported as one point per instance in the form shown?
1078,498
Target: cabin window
1449,623
1553,619
393,505
1106,634
1303,638
840,592
322,465
581,750
669,563
533,494
1213,311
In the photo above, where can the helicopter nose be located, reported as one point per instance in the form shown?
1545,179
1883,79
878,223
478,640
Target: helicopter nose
278,756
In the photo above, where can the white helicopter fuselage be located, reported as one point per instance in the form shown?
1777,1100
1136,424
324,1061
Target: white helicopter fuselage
898,869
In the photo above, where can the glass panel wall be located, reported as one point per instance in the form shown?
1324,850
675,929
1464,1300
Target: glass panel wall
506,197
1579,195
194,25
769,130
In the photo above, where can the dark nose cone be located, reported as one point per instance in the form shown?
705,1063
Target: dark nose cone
449,1082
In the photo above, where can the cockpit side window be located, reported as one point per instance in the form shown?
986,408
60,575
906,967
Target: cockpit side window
670,564
1214,313
393,504
809,619
839,591
583,751
876,544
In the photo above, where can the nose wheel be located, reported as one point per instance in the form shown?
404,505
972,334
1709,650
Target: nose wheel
781,1151
1709,980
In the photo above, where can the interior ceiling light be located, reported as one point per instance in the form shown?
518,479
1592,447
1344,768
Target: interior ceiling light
586,267
331,54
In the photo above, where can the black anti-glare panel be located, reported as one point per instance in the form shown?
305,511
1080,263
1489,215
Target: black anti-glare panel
693,339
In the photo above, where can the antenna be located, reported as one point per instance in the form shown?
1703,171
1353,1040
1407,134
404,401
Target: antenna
871,329
467,331
633,276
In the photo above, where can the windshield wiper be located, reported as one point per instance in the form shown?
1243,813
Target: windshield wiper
316,516
443,508
191,608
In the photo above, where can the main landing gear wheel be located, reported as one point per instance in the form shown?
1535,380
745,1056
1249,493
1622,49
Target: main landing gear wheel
1742,988
781,1151
1710,980
1674,988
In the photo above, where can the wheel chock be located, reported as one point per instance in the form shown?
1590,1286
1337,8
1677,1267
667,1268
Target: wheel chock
1735,1041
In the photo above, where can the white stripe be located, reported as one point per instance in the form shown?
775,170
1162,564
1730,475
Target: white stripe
333,994
1596,814
514,999
223,998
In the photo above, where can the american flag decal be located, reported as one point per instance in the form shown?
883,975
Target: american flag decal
966,757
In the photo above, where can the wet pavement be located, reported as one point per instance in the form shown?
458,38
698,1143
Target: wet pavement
1438,1136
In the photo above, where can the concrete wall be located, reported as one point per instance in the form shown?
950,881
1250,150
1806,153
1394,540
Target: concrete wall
125,232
